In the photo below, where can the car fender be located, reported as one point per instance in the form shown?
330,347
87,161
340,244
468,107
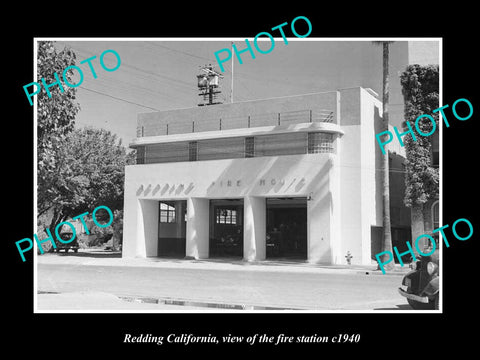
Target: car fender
432,287
411,274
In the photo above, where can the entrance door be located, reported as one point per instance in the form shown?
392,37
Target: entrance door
172,229
287,228
226,230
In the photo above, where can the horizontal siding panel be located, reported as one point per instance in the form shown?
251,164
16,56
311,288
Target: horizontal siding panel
230,148
281,144
171,152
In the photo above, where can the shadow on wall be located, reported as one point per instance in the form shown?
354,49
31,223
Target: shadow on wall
276,176
142,191
147,190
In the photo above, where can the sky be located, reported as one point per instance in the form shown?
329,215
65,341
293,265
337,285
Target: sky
162,74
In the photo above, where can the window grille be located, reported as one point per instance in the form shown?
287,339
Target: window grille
163,153
226,216
224,148
320,143
167,212
281,144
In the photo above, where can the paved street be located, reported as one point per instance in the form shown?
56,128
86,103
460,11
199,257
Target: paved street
195,283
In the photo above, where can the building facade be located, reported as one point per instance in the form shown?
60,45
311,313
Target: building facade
291,177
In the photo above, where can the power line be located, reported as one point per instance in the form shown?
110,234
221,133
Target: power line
199,57
174,80
147,75
132,88
117,98
180,51
115,83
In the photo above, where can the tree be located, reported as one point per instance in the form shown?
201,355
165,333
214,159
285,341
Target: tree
90,172
387,230
55,118
420,86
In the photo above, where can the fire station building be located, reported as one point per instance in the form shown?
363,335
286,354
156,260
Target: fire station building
295,177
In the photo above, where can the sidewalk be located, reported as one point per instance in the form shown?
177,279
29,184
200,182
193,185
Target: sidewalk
101,257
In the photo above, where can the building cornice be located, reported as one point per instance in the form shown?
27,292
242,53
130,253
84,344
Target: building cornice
243,132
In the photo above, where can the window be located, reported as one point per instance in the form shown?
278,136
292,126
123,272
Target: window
281,144
192,151
249,147
167,212
226,216
320,143
141,154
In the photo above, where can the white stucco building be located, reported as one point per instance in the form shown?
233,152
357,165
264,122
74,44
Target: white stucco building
290,177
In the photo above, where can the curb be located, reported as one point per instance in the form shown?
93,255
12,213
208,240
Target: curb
216,264
379,272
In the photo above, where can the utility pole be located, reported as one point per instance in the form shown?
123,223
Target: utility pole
208,85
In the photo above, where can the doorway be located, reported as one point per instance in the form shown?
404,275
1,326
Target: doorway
172,228
286,228
226,228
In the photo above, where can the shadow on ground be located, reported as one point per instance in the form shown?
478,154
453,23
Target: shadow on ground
396,307
92,254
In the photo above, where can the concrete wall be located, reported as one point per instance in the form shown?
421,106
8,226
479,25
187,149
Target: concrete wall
234,115
197,240
350,178
255,178
147,228
360,180
254,228
361,176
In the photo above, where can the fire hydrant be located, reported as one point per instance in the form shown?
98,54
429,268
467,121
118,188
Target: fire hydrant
349,258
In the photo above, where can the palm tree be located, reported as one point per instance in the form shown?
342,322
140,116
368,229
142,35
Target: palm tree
387,230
